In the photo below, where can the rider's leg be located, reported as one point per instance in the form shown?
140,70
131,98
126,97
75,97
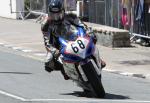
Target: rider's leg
49,64
52,64
59,66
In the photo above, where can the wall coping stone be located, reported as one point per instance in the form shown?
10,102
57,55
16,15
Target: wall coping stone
110,36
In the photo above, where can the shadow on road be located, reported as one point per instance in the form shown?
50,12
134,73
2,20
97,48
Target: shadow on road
136,62
114,96
90,95
14,73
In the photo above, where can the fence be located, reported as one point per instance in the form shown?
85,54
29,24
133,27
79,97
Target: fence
39,7
106,12
96,11
36,8
99,11
113,13
13,9
110,12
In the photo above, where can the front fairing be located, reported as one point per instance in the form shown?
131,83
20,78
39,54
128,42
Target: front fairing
77,50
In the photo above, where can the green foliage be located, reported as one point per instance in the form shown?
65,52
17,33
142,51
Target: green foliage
27,4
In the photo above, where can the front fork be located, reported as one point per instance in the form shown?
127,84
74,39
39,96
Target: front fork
88,62
75,71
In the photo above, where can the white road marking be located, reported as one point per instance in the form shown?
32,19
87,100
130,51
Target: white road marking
108,70
8,33
86,100
69,100
40,54
8,45
26,50
12,96
127,74
17,48
1,43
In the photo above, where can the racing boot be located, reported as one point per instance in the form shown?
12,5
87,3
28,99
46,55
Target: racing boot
49,66
59,66
64,74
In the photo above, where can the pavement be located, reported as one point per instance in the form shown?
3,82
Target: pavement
26,37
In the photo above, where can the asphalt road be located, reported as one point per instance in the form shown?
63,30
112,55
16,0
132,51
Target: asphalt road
23,80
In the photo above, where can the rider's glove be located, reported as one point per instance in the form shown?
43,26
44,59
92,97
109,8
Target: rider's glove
91,33
56,54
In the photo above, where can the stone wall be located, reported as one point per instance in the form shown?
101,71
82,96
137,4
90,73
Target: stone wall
111,37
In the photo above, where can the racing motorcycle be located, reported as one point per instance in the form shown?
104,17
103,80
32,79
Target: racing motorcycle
80,64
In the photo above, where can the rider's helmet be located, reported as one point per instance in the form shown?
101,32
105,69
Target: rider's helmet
56,10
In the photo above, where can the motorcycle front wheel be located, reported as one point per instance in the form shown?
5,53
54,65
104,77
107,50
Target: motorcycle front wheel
94,79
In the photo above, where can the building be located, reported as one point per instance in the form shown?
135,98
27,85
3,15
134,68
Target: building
12,8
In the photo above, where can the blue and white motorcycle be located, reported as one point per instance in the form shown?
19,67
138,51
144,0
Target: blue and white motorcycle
79,62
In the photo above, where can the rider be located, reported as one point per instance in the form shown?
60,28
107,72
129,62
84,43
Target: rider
58,23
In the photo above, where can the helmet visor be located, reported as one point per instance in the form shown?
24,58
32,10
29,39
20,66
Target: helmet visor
56,16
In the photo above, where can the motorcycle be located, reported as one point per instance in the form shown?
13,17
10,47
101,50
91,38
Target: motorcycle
80,64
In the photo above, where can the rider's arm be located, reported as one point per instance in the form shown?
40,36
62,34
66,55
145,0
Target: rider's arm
73,19
44,29
76,21
89,30
91,33
46,37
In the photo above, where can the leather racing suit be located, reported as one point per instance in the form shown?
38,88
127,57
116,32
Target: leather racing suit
51,30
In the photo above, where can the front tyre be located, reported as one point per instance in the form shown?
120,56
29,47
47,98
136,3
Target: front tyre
94,79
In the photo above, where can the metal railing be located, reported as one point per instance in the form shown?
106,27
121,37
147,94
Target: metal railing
37,8
20,11
109,12
106,12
